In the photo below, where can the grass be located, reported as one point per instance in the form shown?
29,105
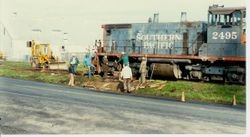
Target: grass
199,91
23,70
204,92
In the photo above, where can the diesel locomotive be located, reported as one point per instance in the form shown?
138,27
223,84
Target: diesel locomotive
212,50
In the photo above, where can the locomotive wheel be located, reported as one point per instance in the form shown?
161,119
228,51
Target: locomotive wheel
235,78
236,75
206,78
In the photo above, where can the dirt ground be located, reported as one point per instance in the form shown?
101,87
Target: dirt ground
110,83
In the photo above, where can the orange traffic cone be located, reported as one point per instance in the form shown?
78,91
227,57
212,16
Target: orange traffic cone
234,101
182,96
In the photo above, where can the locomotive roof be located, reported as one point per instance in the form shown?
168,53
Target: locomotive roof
120,26
224,10
127,25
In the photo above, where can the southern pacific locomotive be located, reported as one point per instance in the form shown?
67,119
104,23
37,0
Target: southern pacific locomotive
213,50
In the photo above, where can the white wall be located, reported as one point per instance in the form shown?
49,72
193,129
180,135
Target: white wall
5,41
0,10
19,51
5,37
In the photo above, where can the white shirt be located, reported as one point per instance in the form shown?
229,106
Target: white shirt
73,60
126,72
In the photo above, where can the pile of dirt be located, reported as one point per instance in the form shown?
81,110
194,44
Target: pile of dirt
108,84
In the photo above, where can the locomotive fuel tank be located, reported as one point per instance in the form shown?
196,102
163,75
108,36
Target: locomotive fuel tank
165,71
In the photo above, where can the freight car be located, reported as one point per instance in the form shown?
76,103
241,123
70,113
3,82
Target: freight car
198,50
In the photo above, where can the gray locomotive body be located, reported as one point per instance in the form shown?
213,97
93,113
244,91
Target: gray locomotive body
212,50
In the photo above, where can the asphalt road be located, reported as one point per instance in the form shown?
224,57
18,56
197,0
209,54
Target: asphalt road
28,107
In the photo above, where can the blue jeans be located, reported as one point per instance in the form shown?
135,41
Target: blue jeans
74,68
89,71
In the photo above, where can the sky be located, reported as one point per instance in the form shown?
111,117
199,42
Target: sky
78,22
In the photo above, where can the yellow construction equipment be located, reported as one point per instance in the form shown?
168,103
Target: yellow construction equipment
42,57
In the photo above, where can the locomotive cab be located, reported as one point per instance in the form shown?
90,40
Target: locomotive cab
226,32
225,47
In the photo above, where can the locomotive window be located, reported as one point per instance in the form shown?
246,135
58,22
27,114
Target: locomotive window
108,32
221,20
212,19
244,14
244,21
218,19
237,18
227,19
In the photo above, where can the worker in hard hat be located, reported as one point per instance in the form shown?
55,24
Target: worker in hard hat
124,59
105,65
143,70
127,77
73,63
113,47
87,61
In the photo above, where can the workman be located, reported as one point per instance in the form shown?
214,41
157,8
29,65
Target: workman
73,63
126,75
143,70
124,59
87,61
113,47
105,66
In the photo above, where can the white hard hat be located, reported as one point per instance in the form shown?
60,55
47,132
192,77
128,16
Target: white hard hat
123,52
